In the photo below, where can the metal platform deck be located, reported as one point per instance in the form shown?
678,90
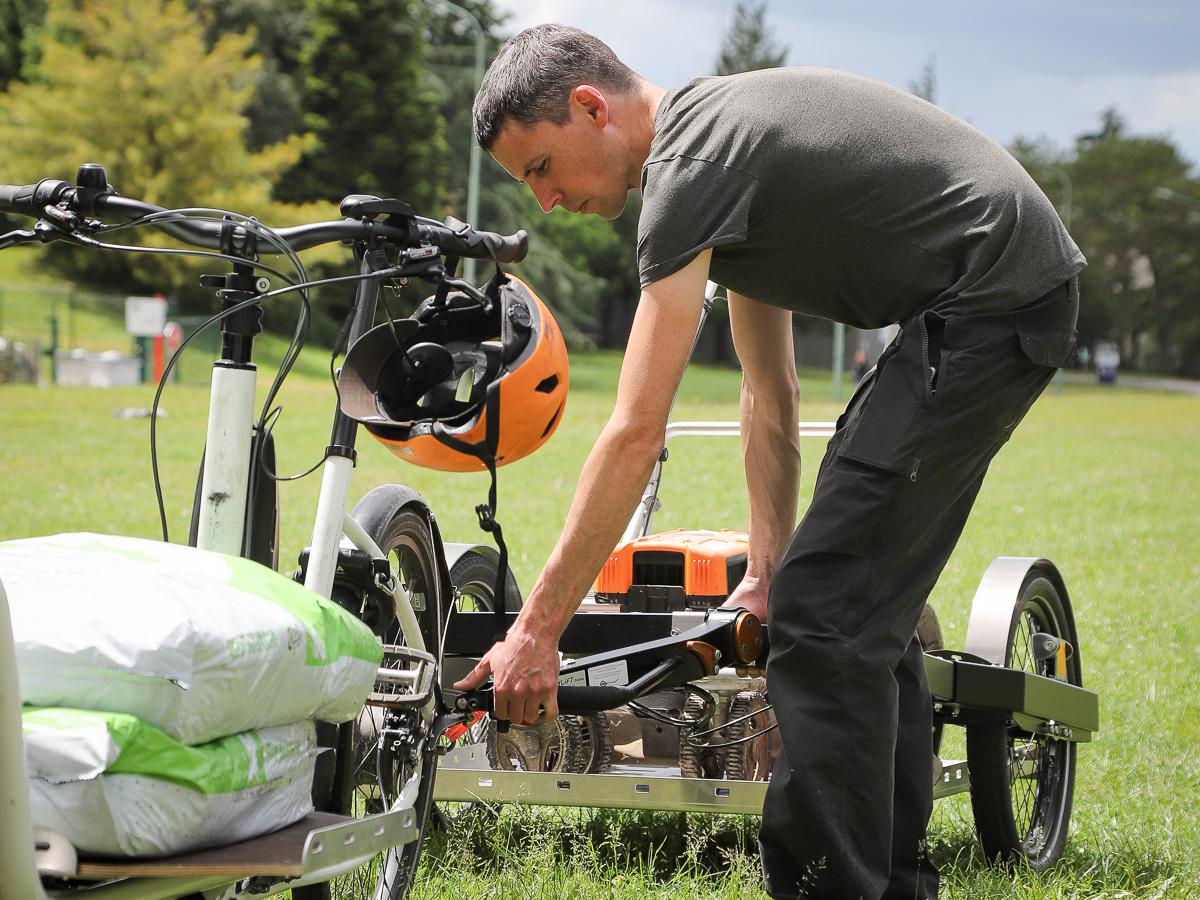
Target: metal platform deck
465,776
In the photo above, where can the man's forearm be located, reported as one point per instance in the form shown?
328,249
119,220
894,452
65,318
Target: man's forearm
771,451
609,489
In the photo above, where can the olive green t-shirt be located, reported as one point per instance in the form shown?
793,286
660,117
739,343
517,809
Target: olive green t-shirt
841,197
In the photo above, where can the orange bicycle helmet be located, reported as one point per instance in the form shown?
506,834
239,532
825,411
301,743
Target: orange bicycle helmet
458,384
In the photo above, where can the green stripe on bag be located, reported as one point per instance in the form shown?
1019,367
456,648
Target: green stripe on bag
223,766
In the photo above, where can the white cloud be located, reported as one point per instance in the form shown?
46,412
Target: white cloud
1062,108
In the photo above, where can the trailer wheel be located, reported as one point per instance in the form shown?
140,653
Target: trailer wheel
474,578
929,634
1022,783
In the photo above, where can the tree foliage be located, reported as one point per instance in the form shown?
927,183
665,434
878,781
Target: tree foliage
365,98
19,21
1132,217
131,84
450,72
925,87
278,29
748,44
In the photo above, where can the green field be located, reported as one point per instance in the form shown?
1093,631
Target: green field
1103,482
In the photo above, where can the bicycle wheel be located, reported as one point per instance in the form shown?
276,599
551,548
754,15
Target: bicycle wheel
1022,783
404,766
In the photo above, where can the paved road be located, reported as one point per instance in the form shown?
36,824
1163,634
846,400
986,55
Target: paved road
1140,382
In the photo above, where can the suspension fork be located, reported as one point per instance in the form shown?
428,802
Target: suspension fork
340,454
224,482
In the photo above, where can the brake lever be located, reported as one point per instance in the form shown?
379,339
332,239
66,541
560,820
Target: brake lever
471,291
19,236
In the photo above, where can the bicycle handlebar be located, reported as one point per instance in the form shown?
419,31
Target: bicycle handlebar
452,238
575,701
734,636
30,199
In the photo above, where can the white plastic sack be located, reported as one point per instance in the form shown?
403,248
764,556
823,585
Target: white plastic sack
199,644
113,785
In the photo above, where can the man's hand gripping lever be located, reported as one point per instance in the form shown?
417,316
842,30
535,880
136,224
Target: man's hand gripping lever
727,636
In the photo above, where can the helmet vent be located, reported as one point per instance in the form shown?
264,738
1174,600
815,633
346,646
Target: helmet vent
547,384
553,419
465,385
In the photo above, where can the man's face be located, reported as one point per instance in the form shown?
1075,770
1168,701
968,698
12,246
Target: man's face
577,165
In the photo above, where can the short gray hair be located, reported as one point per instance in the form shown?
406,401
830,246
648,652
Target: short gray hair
532,77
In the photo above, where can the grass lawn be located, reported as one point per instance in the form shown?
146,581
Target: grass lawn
1103,482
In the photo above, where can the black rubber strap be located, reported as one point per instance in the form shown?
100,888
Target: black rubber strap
485,451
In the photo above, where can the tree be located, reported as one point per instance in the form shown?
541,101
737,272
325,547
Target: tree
925,87
747,44
746,47
365,98
1142,283
1142,255
130,84
278,29
19,20
450,70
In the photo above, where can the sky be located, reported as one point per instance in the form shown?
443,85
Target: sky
1013,69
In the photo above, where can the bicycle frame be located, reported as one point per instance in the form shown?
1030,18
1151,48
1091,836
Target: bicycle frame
235,495
221,525
229,459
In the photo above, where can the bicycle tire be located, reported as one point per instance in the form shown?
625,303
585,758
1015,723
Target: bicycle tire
407,540
1022,811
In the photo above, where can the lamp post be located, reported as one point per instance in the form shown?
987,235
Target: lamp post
476,152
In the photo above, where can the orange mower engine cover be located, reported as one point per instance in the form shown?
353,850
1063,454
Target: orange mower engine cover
674,570
425,386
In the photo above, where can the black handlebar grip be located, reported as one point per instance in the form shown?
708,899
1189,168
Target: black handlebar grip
582,700
510,248
456,238
18,198
31,199
8,196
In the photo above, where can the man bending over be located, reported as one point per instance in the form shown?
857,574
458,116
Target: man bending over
800,190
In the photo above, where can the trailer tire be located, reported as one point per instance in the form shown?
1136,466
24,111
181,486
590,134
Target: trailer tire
1022,784
474,578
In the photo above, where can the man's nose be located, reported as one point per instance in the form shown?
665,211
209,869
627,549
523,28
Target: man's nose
547,198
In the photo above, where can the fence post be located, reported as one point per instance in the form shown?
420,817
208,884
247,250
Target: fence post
52,350
839,349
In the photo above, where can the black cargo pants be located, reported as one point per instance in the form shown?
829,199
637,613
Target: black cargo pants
849,800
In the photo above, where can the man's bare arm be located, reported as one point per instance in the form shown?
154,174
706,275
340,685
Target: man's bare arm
525,665
770,421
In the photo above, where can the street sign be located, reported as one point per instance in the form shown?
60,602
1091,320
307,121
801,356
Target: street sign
145,316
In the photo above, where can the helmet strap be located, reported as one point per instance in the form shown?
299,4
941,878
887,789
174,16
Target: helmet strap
485,452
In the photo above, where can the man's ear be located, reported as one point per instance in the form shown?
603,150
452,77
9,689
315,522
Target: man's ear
593,103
